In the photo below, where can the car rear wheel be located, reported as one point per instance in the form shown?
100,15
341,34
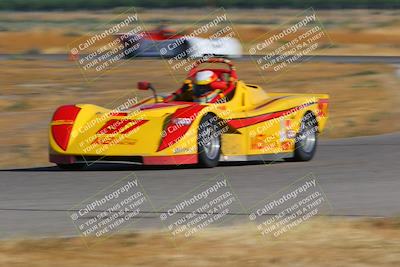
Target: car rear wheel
209,141
306,139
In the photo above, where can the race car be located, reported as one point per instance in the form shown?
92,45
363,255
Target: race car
166,42
213,117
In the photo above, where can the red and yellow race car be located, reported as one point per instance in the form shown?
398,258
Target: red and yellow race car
214,117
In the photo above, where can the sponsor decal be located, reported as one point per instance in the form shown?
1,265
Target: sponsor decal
287,145
262,142
323,107
114,132
113,140
183,150
290,134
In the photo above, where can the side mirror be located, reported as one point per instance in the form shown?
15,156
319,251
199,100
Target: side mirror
147,86
144,85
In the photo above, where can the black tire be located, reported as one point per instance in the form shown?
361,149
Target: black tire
209,141
71,167
306,138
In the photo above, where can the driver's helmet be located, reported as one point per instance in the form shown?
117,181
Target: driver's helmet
202,89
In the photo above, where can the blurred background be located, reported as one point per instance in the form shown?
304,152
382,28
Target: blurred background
36,74
359,68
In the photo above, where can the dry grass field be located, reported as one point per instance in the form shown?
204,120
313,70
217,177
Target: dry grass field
352,32
322,242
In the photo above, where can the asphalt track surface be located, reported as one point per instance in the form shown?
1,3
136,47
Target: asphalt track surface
318,58
360,177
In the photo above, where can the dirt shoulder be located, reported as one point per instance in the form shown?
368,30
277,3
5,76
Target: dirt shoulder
322,242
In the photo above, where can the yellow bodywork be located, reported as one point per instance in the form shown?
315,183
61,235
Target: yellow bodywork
248,107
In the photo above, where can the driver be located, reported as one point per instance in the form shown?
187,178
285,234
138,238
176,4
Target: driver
203,90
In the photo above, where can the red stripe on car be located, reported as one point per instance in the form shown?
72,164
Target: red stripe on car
113,126
133,127
270,101
174,132
244,122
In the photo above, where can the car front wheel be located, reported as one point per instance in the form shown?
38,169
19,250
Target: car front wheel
306,139
209,141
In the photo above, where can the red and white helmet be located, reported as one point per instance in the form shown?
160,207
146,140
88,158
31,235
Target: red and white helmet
203,89
205,77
